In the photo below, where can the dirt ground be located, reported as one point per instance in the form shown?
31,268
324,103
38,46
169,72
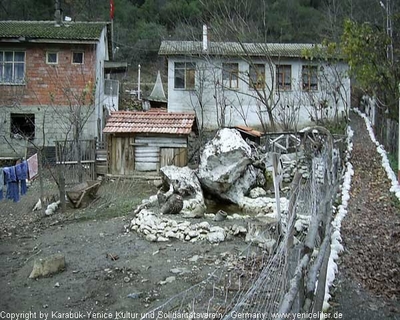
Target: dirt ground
368,283
92,281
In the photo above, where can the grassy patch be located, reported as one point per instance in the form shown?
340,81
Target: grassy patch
336,127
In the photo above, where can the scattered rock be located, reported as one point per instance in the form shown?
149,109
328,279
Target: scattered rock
179,271
46,266
168,280
195,258
135,295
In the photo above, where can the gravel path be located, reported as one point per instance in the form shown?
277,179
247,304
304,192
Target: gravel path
368,284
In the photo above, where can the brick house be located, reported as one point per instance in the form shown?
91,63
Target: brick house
51,82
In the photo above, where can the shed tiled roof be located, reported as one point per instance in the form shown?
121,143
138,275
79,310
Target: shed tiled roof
149,122
82,31
234,49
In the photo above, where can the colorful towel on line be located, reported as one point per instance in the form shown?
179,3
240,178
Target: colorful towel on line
33,166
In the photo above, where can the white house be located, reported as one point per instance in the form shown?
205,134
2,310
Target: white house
230,83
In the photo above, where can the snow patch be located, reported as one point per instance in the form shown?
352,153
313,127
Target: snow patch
336,239
385,161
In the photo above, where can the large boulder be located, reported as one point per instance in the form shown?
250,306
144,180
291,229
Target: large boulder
224,169
185,182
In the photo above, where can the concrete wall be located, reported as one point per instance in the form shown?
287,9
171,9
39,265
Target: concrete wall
242,105
51,123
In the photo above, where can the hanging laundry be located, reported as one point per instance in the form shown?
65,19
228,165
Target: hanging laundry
21,170
33,166
1,183
10,178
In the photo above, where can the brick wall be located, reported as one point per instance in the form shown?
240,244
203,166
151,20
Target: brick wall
63,83
50,92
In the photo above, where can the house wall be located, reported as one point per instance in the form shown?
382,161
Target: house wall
53,93
129,153
100,98
242,106
50,124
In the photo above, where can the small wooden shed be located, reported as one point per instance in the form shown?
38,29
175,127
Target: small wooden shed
147,141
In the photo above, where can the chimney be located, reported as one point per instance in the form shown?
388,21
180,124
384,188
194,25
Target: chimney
58,13
205,37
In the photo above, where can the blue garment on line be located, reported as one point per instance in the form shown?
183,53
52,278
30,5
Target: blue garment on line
10,178
1,183
21,170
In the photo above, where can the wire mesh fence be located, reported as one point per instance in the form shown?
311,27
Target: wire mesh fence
260,284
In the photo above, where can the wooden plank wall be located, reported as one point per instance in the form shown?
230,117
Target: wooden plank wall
128,153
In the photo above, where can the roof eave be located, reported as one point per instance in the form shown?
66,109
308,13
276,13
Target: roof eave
44,40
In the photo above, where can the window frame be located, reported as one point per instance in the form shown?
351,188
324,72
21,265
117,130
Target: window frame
257,84
4,64
23,133
312,74
228,75
281,73
47,57
83,57
188,75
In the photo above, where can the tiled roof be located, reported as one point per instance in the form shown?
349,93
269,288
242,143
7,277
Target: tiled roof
149,122
81,31
234,49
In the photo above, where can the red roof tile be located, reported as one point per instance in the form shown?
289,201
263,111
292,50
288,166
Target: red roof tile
149,122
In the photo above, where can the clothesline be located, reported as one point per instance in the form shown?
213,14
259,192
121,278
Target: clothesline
14,178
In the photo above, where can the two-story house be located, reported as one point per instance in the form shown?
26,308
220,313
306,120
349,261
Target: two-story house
51,82
232,83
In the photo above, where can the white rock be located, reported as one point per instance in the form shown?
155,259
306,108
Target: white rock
216,236
204,225
151,237
162,239
195,258
257,192
193,233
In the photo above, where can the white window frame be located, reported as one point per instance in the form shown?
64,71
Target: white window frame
83,57
47,57
13,63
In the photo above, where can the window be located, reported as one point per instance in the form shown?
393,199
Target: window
51,57
310,78
184,75
77,57
257,76
284,77
230,75
12,66
22,126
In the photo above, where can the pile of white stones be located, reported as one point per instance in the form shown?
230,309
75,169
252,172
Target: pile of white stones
160,229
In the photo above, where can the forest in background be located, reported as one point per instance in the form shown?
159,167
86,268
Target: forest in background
365,32
140,25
